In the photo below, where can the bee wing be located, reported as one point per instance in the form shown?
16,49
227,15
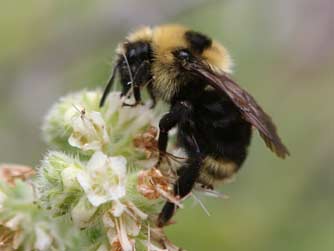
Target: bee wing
249,108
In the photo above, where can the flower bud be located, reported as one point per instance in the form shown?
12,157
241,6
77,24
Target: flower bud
58,124
25,226
57,186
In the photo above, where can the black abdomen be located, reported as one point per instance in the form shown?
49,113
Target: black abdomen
219,130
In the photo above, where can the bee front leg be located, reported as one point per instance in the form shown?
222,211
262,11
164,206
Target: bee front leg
167,122
178,111
139,78
137,96
152,96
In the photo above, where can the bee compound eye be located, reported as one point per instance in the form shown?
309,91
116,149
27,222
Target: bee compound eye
132,53
183,54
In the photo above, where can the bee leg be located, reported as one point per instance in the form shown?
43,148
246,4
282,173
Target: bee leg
182,188
138,78
185,182
136,93
125,91
209,187
166,123
152,96
143,76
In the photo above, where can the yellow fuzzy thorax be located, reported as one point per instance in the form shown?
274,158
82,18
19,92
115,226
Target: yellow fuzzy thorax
167,38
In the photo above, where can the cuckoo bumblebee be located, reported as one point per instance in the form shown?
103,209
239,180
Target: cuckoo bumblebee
213,114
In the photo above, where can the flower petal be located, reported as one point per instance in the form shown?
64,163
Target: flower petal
84,181
43,240
123,236
82,213
2,199
95,199
132,226
14,222
97,161
117,208
118,165
89,131
108,221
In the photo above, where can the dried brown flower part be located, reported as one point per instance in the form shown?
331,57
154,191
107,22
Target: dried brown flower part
123,224
158,236
147,142
151,183
10,172
116,246
6,238
9,239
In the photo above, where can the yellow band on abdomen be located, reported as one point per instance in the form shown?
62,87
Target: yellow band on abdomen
215,170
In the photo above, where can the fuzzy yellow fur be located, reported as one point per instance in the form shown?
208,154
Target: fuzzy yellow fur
142,34
218,57
164,40
168,38
214,171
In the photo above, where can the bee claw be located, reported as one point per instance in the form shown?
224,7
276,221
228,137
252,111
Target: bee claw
161,157
208,187
165,224
134,104
157,165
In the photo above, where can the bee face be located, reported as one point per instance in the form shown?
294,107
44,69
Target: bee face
165,50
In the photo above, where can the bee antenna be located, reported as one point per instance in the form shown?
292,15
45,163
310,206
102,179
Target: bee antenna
109,85
129,69
76,108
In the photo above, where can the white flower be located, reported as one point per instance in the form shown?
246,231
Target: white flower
102,248
14,222
89,131
2,199
123,223
43,239
82,213
113,104
121,230
117,208
104,178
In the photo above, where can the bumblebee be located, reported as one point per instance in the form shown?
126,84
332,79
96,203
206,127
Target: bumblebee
213,114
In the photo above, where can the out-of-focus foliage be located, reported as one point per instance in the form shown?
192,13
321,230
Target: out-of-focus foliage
284,55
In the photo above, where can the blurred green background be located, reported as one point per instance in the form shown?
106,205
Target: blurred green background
284,55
